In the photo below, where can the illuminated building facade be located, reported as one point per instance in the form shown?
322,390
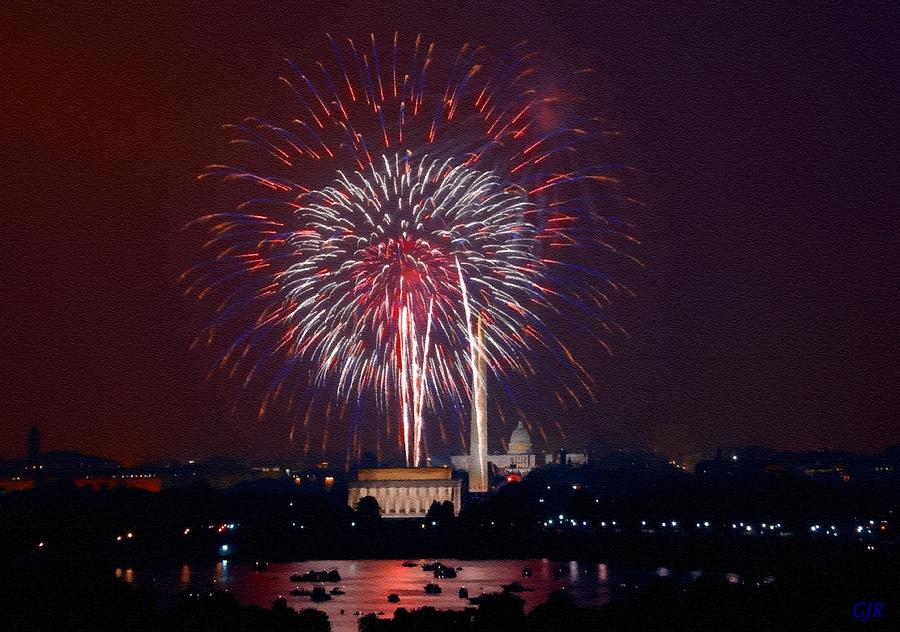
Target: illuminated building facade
406,492
478,457
521,457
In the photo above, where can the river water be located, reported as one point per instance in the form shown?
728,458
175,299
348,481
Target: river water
367,583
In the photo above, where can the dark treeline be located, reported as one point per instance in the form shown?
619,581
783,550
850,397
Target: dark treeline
276,520
87,598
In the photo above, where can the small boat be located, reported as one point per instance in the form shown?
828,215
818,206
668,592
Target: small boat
409,564
432,566
526,572
514,587
319,595
459,568
463,593
330,575
336,591
444,572
432,589
300,592
393,598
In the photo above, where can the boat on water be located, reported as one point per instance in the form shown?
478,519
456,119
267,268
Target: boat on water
319,595
328,575
337,591
444,572
300,592
393,598
432,589
526,572
463,593
410,564
515,587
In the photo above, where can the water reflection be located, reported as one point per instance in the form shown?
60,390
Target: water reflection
369,582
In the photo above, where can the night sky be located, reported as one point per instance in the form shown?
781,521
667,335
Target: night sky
766,145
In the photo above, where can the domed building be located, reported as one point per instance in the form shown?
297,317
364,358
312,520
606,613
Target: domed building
520,457
520,441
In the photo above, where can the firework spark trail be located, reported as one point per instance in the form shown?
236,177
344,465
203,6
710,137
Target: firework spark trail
426,190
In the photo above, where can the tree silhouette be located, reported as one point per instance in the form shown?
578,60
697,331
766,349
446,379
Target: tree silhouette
367,510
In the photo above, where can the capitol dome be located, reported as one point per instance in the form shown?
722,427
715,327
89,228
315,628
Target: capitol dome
520,441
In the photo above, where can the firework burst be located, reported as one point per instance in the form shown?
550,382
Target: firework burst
394,212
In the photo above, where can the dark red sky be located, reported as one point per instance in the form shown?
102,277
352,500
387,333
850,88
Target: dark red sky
767,145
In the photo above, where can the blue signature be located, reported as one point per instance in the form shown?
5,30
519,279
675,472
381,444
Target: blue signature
865,610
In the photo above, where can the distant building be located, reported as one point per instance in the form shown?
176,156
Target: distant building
406,492
521,457
147,482
564,457
477,463
837,473
33,455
